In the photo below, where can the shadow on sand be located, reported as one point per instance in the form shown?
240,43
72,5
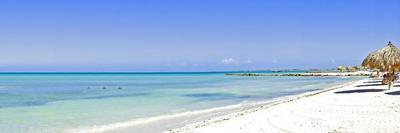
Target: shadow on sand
369,85
393,93
378,81
359,91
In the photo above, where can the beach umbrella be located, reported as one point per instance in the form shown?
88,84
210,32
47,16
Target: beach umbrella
385,59
351,68
341,68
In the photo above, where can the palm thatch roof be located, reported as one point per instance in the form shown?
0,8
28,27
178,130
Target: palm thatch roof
341,68
385,59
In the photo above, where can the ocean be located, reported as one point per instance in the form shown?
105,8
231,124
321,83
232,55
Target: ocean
69,102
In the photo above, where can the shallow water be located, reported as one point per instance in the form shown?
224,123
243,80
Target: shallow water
57,102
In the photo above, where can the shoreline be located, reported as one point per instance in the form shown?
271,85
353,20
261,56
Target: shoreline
307,74
182,119
261,106
360,106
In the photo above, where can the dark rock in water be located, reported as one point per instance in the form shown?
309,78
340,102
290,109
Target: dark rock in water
104,88
119,88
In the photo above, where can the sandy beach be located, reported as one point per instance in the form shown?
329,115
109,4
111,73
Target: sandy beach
307,74
359,106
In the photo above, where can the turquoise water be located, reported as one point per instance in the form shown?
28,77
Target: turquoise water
56,102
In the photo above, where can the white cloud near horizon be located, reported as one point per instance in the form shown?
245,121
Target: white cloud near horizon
231,61
248,62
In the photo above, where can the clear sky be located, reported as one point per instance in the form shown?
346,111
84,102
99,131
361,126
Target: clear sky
192,35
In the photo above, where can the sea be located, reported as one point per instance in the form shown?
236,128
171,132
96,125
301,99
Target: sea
117,102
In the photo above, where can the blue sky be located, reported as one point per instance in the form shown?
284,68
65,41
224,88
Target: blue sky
192,35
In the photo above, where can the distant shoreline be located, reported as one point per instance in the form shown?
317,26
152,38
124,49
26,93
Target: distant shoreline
305,74
150,72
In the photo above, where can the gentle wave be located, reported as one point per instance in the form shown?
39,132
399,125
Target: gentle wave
133,122
242,105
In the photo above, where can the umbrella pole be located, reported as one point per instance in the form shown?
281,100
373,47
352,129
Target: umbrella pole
392,80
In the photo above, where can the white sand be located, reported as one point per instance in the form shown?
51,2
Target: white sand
361,106
338,73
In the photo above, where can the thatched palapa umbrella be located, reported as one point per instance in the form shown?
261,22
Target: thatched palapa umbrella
386,59
341,68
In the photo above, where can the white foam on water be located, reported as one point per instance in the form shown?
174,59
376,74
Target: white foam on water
148,120
133,122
